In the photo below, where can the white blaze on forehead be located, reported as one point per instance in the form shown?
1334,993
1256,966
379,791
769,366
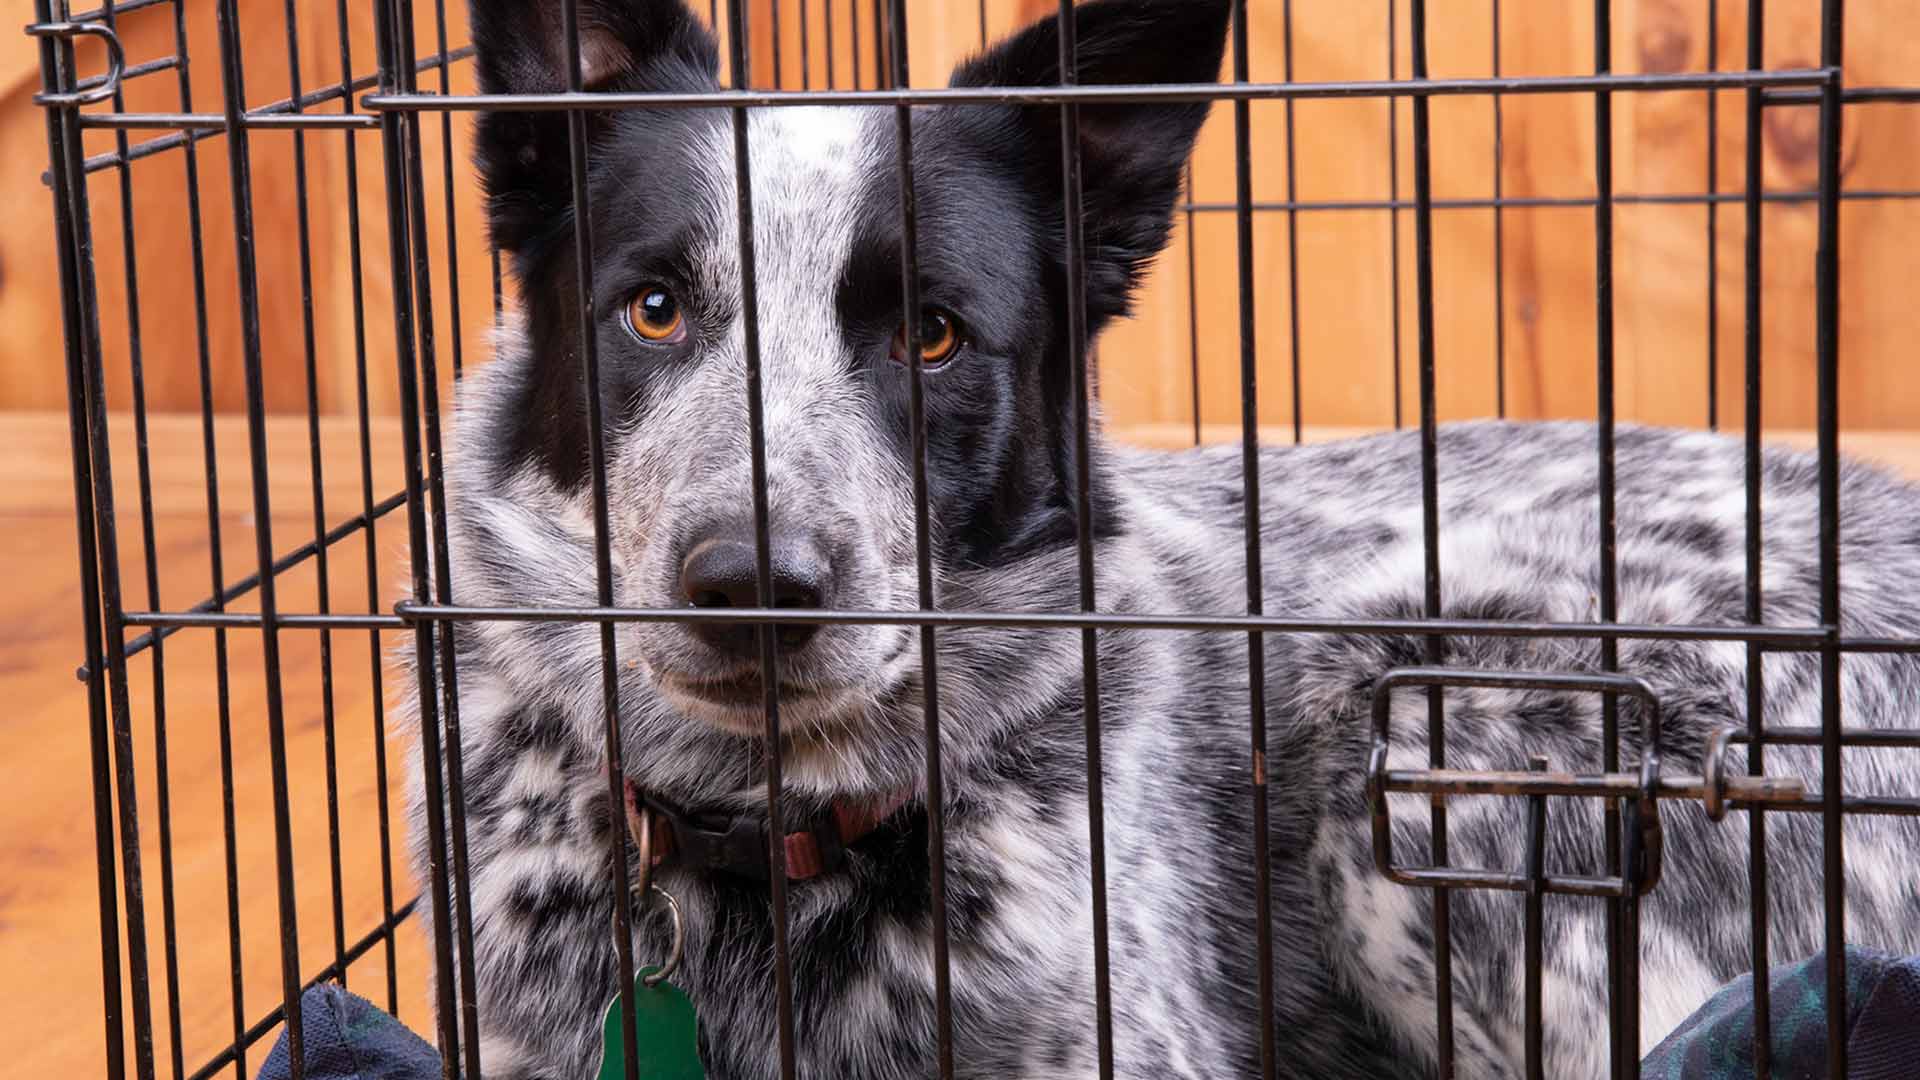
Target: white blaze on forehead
811,167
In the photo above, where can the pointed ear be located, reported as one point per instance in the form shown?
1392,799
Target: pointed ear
626,46
1132,156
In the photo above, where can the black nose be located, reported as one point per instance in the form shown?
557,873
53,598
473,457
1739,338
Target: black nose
721,572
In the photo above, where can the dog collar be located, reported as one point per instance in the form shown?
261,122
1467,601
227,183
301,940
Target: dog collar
737,844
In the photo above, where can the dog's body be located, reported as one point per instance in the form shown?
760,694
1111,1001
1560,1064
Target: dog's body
1341,525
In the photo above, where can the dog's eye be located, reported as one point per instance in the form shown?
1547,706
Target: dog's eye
941,336
654,316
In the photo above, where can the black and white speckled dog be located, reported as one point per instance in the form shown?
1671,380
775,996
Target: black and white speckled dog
1342,538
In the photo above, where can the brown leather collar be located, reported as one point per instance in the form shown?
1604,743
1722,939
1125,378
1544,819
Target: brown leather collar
739,844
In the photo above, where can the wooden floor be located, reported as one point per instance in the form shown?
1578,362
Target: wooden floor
50,985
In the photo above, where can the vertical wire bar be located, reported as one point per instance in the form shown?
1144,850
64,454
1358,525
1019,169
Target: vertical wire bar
375,675
880,45
773,17
67,173
1193,303
806,50
318,487
923,556
1393,198
239,167
216,559
983,24
394,126
762,542
826,24
1832,38
446,181
1256,589
1499,235
453,744
1713,222
853,42
144,473
602,527
113,629
1535,924
1755,609
1435,647
1083,516
1622,943
1293,227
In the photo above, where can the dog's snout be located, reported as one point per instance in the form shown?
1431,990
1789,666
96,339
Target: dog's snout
722,572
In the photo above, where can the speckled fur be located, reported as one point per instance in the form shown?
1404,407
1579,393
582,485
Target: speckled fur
1341,535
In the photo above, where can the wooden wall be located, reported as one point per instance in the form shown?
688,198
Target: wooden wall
1350,342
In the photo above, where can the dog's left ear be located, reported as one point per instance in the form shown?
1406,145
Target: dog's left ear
1132,155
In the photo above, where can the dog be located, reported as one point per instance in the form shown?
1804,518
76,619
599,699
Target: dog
1340,537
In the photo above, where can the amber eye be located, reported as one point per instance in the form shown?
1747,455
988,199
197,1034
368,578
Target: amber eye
654,315
940,337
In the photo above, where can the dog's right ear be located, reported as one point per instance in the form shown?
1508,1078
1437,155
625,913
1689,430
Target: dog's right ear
626,46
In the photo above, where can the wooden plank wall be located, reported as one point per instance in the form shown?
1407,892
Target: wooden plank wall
1340,262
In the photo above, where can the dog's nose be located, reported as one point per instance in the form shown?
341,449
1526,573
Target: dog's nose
721,572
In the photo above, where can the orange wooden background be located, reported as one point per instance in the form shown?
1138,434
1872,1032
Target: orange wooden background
1346,324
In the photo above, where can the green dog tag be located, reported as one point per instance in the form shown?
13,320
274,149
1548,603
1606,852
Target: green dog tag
667,1035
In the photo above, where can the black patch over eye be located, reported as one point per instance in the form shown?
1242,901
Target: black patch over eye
654,316
941,336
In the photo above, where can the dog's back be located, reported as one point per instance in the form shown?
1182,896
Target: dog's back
1519,542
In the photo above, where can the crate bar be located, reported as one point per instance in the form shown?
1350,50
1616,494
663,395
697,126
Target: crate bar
170,951
923,559
1623,935
1499,236
1264,1029
239,169
215,557
1752,198
1419,87
72,243
1293,226
1850,95
582,219
452,744
103,514
1193,305
1827,358
446,176
368,514
1072,192
1713,222
316,476
1434,647
762,534
1393,207
1526,202
393,141
1535,958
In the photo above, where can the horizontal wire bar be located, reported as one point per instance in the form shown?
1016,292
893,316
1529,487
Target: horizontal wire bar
99,14
408,612
242,587
1513,202
1853,95
133,71
332,971
211,122
1158,93
1882,738
251,119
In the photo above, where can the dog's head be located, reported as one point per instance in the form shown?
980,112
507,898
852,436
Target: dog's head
672,342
